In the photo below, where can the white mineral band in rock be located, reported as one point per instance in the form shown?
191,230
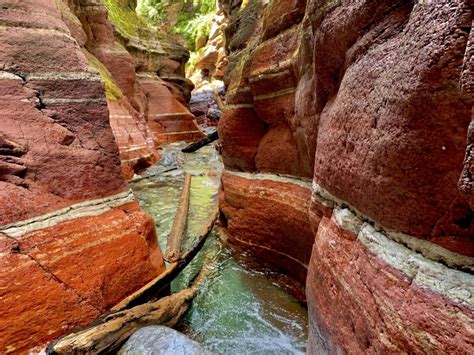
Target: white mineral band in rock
88,208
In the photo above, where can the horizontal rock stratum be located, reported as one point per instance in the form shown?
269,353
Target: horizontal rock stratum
143,71
372,101
73,239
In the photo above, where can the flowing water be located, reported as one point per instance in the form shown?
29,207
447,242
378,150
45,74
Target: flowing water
238,310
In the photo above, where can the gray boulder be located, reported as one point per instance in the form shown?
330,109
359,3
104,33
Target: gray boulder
159,340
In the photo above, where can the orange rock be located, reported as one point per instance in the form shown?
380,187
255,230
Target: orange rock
240,133
73,239
374,101
270,219
361,302
59,278
133,136
169,120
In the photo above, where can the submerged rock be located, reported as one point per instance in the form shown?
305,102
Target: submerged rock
161,340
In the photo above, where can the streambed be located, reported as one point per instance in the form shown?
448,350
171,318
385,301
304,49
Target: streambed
238,310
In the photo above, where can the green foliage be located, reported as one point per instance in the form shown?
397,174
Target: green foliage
194,18
194,28
153,10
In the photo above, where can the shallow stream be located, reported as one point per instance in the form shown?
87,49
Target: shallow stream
238,310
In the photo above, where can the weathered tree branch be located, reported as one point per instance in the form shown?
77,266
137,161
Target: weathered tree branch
218,100
176,236
201,143
157,285
111,332
107,334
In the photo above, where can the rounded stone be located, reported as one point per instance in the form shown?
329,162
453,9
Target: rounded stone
158,340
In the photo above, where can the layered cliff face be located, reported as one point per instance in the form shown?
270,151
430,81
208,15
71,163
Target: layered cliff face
73,240
372,101
147,91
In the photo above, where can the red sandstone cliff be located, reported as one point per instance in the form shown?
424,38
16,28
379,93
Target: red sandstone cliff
146,89
73,240
372,100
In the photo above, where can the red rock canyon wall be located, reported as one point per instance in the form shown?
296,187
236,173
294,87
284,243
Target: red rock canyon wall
73,240
372,101
146,89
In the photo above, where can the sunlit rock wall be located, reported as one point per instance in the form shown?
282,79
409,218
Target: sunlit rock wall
147,91
372,101
73,240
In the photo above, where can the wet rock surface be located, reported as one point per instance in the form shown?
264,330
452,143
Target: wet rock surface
161,341
285,245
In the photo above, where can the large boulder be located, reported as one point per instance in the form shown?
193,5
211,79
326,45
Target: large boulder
159,340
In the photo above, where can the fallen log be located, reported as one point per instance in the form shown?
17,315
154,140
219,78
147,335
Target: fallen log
201,143
157,285
218,100
108,334
140,178
176,236
111,332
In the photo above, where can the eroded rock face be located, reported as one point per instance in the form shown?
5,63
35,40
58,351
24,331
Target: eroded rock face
389,298
373,101
73,240
211,60
135,65
398,155
279,212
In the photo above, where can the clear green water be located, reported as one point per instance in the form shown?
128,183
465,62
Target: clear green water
238,310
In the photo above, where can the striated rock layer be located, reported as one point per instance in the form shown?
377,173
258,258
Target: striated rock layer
144,76
262,212
73,240
372,101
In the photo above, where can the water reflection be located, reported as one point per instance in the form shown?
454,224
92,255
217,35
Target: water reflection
238,310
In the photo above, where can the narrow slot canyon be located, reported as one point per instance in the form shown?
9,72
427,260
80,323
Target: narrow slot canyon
328,147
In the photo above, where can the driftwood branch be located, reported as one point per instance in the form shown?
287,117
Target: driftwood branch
176,236
143,177
218,100
109,334
157,285
201,143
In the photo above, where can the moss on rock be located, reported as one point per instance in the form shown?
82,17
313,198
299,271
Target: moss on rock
126,20
112,91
